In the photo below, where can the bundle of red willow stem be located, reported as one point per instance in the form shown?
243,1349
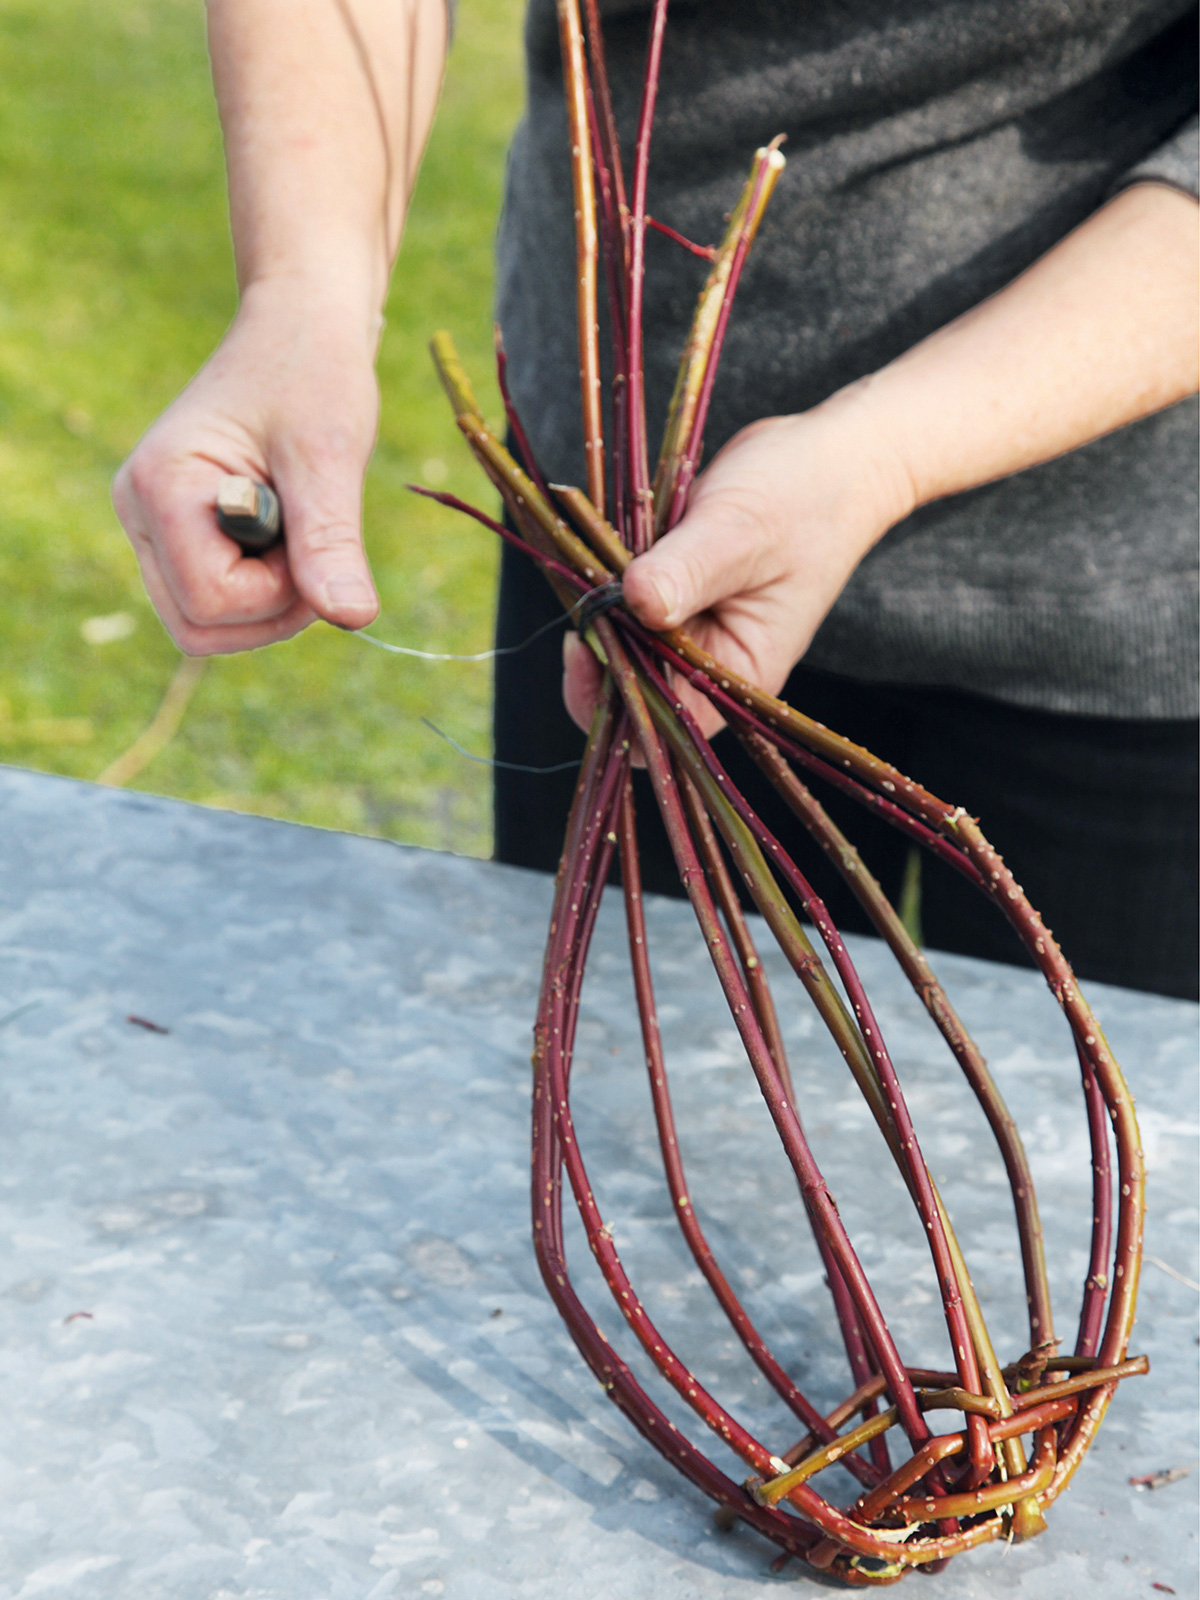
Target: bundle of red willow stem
952,1490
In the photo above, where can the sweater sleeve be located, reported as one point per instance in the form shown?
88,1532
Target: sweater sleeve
1176,163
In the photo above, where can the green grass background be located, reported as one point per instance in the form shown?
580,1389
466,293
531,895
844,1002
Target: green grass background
116,281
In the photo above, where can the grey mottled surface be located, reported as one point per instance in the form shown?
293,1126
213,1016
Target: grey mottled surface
317,1359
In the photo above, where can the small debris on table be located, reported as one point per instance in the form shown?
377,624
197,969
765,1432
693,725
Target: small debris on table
144,1022
1159,1480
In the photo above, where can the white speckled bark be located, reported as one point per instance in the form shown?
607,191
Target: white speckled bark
318,1360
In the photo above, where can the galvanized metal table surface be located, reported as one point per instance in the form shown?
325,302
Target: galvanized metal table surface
271,1324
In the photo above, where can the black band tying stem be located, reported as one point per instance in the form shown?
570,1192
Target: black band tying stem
596,602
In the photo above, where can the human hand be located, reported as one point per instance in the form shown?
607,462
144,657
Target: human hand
1097,333
289,397
776,525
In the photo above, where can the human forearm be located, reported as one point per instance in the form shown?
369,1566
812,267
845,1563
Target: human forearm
1099,332
325,106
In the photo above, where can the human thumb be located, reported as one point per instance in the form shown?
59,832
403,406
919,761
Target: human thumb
321,496
703,560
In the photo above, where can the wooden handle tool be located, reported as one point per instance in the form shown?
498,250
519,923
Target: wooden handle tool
248,512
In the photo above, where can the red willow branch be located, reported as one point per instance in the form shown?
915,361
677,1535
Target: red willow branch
610,149
917,970
701,352
614,244
525,501
586,252
641,495
515,426
664,1118
768,164
957,1489
706,252
725,892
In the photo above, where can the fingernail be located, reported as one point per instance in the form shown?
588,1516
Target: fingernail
348,592
668,594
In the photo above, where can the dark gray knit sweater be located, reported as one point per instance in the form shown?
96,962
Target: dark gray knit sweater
934,151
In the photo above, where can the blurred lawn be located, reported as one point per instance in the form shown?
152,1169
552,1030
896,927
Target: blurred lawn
115,283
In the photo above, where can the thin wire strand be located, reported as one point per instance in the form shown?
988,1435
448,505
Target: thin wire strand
490,761
480,655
